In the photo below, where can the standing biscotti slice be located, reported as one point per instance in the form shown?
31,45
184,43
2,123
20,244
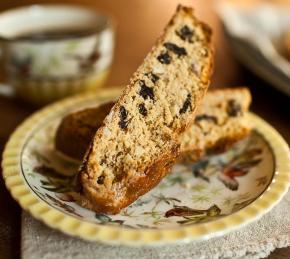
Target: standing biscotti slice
138,143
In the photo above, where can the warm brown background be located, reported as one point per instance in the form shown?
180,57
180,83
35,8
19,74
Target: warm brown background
139,23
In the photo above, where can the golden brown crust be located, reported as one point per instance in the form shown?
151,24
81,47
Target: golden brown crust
153,175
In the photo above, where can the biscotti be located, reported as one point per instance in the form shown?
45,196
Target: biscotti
215,129
221,121
139,141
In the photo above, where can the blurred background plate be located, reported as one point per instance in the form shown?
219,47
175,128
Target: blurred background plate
258,37
258,64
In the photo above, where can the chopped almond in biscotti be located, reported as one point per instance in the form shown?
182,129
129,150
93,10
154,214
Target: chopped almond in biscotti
139,141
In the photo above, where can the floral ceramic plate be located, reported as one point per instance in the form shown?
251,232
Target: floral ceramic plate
194,202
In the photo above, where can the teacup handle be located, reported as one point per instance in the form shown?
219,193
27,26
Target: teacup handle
5,89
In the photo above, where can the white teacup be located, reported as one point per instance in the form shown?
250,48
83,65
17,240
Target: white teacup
52,51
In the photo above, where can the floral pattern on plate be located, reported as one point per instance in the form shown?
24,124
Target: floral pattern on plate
214,187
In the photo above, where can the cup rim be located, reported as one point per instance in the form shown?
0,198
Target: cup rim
107,20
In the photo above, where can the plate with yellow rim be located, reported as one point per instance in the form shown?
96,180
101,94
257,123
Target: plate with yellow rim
194,202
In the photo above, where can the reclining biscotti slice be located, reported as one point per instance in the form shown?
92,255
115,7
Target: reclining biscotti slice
138,143
76,131
220,122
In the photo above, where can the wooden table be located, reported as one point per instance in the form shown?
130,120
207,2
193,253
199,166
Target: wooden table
139,23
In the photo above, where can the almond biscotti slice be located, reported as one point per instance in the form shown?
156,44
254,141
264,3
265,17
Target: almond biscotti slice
221,121
138,143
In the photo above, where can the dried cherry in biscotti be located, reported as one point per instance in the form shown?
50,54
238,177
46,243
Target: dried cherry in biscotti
185,33
142,109
100,179
186,105
123,115
201,117
146,91
179,51
154,78
164,58
234,109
